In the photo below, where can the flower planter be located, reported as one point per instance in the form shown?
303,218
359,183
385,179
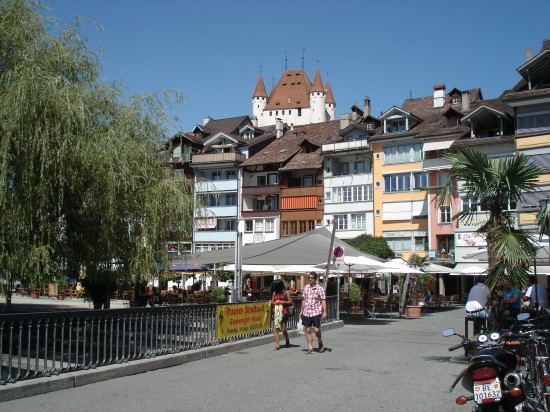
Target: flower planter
34,295
413,311
61,296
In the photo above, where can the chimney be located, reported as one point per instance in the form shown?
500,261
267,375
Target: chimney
353,116
465,101
528,54
366,106
278,128
206,120
344,121
439,95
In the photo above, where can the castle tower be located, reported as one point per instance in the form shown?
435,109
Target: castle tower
259,99
317,100
330,104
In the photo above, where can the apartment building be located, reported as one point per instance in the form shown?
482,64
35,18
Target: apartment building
530,100
348,180
227,143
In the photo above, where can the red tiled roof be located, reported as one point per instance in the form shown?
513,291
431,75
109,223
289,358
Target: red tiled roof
291,92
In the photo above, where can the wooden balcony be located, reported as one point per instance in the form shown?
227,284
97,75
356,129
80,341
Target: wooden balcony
218,158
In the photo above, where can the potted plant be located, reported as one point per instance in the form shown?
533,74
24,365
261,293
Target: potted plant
61,289
354,295
417,286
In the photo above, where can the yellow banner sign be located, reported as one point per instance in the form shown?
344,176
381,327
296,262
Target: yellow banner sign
242,318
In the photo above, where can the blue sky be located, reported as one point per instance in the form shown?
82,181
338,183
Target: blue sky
213,50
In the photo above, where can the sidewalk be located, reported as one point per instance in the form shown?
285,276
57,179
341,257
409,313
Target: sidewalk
386,364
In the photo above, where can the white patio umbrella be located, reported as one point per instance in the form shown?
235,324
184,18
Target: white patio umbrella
471,270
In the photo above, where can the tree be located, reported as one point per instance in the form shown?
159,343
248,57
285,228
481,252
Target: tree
377,246
493,184
82,187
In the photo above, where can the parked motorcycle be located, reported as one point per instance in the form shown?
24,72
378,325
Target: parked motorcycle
492,374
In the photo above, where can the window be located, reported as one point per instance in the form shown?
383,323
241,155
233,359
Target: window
216,175
533,122
347,194
358,193
272,179
443,179
260,203
341,222
259,225
403,153
421,243
299,112
271,202
417,152
397,183
399,243
269,225
358,221
230,175
344,168
260,181
248,226
457,100
231,199
420,180
359,167
397,126
308,180
445,214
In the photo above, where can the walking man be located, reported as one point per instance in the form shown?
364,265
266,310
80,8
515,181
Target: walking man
314,306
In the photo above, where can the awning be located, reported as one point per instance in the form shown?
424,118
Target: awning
440,143
468,269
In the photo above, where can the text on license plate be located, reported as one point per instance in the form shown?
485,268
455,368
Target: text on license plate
487,391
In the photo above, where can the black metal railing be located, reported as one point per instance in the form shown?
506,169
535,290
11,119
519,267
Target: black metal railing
46,344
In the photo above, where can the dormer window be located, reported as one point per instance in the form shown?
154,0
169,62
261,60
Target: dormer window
457,99
395,126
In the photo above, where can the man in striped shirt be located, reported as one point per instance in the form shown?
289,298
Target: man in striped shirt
314,306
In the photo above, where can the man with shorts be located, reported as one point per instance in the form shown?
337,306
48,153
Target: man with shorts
314,306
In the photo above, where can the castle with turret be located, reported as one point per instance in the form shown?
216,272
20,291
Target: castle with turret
294,100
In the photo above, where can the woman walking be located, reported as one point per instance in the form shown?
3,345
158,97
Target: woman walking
280,302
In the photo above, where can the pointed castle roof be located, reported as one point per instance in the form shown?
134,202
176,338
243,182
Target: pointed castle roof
317,83
330,98
260,88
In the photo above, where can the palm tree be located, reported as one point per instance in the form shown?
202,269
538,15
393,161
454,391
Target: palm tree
493,184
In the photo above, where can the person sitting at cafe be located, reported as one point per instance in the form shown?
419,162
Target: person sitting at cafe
157,297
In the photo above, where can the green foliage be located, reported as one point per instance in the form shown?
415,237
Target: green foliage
62,286
216,295
354,291
377,246
81,181
492,183
418,282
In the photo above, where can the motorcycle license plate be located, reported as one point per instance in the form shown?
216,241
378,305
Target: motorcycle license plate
487,391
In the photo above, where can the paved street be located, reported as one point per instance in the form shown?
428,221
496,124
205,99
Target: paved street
389,365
